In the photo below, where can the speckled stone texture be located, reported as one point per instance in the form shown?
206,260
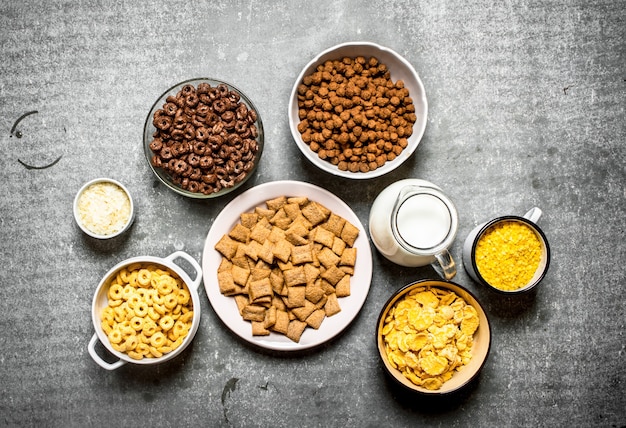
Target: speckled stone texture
526,103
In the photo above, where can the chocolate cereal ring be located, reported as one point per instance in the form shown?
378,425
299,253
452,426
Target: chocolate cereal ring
193,186
170,109
156,145
162,122
206,162
193,159
166,153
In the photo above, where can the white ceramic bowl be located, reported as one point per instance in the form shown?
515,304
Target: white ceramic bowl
480,349
95,233
399,68
100,302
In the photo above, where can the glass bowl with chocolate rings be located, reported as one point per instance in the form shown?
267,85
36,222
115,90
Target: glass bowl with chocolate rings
203,138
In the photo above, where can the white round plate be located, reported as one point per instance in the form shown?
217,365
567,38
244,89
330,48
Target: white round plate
225,306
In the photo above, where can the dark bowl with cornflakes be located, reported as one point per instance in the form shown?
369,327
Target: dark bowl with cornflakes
433,337
203,138
358,110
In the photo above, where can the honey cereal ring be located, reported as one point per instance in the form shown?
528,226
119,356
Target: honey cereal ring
136,323
155,352
180,328
115,303
160,309
116,292
115,336
187,317
149,328
143,293
158,340
131,343
135,355
133,300
126,329
132,276
166,322
152,314
183,296
119,347
141,309
143,277
106,327
165,286
107,314
128,291
165,349
143,349
170,301
176,343
157,298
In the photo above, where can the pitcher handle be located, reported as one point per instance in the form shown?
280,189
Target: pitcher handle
445,266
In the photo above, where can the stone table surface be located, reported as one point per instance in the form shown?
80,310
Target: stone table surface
526,108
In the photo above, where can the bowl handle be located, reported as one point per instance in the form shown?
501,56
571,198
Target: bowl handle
534,214
181,254
92,351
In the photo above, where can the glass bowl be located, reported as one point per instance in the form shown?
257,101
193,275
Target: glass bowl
203,151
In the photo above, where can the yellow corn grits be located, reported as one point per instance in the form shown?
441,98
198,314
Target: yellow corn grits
508,254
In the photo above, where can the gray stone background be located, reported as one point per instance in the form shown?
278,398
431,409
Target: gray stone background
527,103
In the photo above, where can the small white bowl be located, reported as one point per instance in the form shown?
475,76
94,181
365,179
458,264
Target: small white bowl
399,68
100,302
96,231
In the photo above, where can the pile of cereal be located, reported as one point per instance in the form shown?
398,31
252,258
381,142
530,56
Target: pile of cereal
428,335
353,115
286,264
205,138
149,311
508,255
